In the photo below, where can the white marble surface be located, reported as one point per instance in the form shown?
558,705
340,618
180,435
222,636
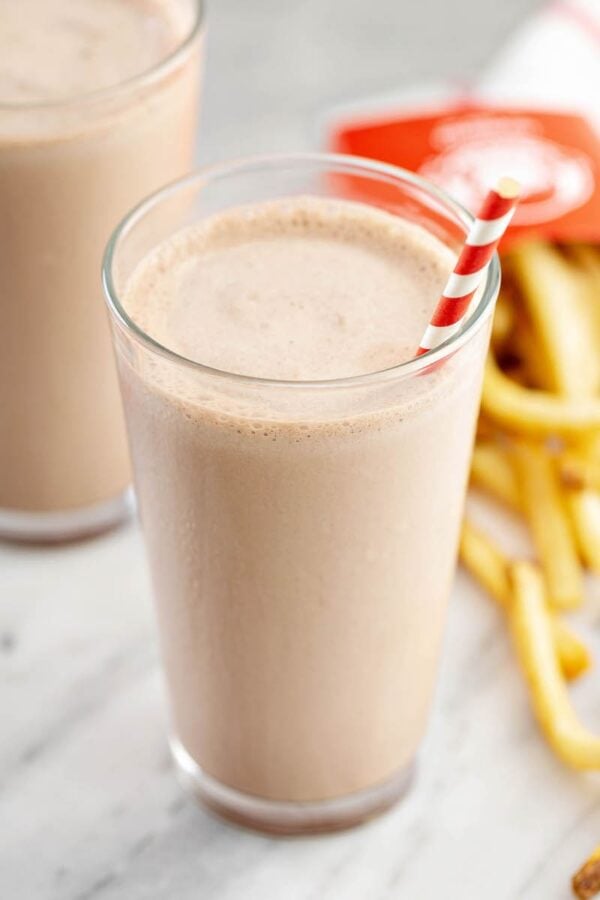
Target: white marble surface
89,807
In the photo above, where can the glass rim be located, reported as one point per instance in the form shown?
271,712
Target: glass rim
147,76
349,165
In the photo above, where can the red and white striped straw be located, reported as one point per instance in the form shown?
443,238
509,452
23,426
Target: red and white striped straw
483,238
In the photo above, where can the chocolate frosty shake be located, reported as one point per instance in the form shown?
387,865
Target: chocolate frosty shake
302,537
97,107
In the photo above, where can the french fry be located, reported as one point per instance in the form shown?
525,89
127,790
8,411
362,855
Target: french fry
524,411
573,655
586,881
549,522
486,431
534,360
492,471
584,508
534,644
589,444
557,305
504,320
579,469
488,565
588,259
486,562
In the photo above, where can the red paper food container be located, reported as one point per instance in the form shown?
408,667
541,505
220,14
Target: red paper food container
466,146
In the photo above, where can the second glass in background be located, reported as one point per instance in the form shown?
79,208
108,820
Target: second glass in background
70,167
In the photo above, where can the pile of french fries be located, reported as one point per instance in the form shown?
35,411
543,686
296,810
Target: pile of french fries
538,452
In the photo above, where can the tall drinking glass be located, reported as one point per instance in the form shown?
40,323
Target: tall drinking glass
76,151
302,535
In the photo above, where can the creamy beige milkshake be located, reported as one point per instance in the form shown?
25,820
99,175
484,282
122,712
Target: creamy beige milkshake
301,537
97,107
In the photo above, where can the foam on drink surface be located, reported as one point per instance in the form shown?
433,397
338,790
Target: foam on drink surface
54,50
295,289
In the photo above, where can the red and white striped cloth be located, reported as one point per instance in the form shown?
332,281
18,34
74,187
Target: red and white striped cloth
483,238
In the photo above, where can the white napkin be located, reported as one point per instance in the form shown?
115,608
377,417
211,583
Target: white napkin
553,60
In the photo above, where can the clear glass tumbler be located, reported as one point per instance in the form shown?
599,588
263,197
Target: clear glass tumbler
302,536
69,170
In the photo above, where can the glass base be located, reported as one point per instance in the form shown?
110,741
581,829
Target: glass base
277,817
65,525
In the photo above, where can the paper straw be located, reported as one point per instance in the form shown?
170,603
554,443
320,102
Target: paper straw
483,238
